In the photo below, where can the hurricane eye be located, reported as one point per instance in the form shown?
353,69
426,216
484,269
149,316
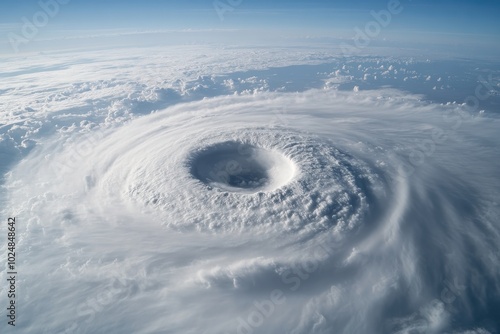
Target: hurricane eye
241,168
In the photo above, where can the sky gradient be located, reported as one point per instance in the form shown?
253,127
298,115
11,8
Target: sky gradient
476,19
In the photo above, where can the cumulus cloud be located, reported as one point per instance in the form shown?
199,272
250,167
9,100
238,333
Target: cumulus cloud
358,211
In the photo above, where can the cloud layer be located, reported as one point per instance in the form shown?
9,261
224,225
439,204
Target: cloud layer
387,223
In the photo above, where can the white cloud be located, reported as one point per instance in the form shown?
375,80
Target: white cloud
121,233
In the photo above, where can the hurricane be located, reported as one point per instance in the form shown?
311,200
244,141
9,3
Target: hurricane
310,212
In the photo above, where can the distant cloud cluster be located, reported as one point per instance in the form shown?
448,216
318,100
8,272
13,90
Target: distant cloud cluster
206,190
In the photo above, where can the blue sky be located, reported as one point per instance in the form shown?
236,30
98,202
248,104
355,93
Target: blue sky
315,17
442,16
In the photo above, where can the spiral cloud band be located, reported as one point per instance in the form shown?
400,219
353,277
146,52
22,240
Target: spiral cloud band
315,212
